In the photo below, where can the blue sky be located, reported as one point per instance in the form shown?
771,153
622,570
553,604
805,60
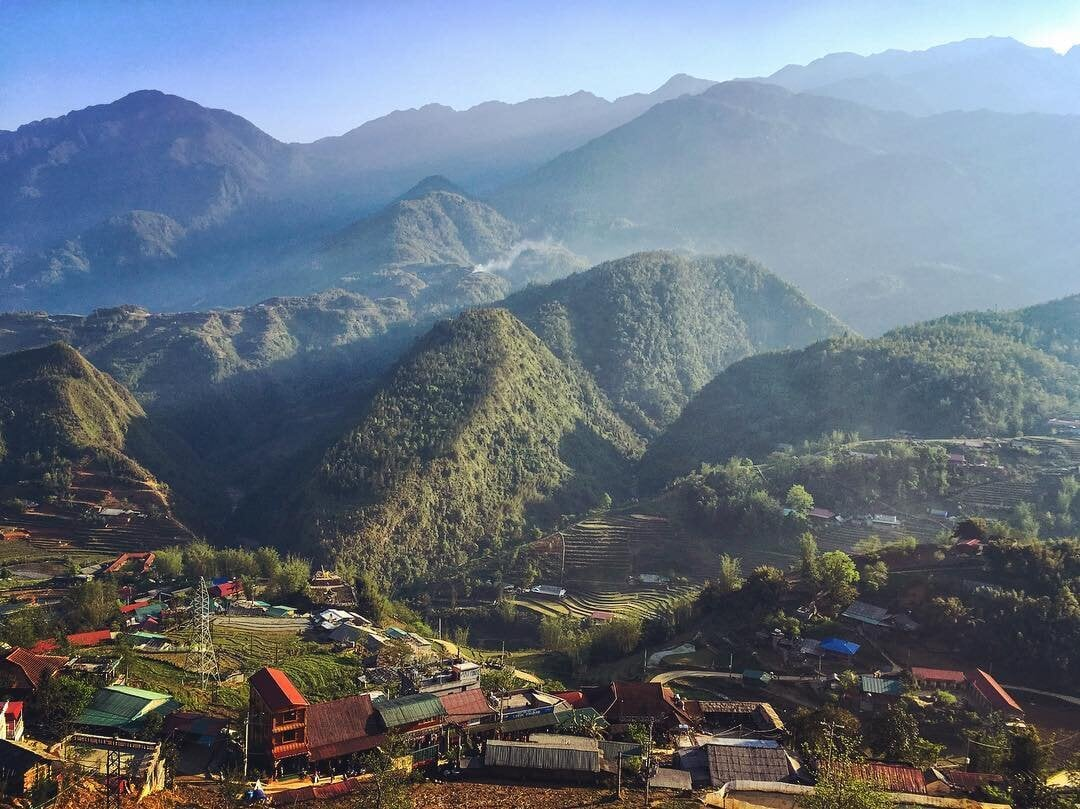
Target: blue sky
302,70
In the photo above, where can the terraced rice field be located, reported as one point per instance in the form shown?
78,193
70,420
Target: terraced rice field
999,495
1067,448
247,643
637,603
613,546
833,536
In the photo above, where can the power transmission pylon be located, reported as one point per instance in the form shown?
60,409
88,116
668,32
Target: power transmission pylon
201,657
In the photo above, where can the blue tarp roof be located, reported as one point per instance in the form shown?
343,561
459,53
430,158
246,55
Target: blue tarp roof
839,646
220,580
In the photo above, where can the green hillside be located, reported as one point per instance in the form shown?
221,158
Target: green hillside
58,412
53,400
978,374
653,328
478,432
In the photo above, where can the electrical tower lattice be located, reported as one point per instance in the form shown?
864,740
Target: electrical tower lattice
201,658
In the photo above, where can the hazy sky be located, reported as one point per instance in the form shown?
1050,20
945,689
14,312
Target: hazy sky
301,70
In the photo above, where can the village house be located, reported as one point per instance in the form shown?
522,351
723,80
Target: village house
22,672
130,562
952,781
938,679
12,727
518,713
757,719
465,709
230,588
460,675
417,717
23,766
889,777
876,694
623,703
341,729
142,766
79,639
330,590
722,760
277,721
120,708
988,693
561,758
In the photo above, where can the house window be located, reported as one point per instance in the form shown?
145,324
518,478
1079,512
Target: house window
288,716
288,736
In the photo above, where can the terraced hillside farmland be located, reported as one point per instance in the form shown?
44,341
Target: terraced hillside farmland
612,547
844,536
636,603
998,495
76,524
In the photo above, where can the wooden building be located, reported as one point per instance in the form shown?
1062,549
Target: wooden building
277,722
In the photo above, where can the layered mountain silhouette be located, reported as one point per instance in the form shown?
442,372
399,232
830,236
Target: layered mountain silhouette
995,73
830,194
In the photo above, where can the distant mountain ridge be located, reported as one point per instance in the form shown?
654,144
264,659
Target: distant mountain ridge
156,201
995,73
830,195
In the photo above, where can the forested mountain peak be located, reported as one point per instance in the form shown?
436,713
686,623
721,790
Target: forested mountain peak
481,408
652,328
975,374
53,401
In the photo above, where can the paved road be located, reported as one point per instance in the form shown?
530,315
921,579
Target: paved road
687,674
1062,697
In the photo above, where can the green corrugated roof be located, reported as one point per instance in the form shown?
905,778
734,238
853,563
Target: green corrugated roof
149,610
407,710
120,705
880,685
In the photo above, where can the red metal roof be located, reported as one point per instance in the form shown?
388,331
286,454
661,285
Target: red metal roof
890,777
134,605
342,727
94,638
276,689
34,666
992,691
822,513
90,638
465,705
970,781
226,589
939,675
576,699
14,709
121,561
289,750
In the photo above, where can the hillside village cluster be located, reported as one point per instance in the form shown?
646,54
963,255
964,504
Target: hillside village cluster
428,706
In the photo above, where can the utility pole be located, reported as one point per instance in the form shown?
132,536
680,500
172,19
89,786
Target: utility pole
247,727
648,761
618,788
